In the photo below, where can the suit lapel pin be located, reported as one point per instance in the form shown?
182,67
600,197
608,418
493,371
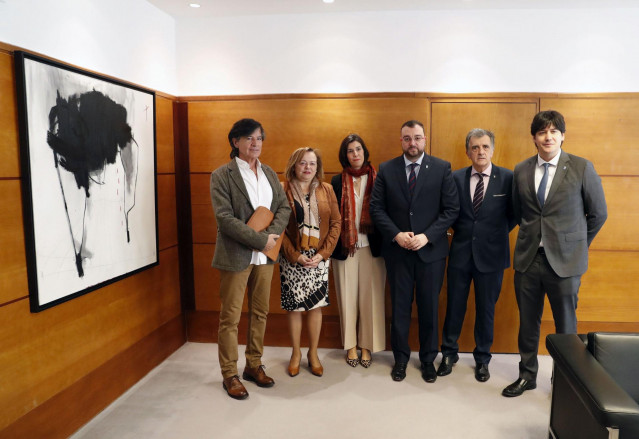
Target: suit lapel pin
565,168
426,166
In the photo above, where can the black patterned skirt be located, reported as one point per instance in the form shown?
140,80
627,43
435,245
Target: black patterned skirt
304,288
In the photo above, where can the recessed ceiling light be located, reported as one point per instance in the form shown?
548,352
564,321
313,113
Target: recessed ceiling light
194,5
328,1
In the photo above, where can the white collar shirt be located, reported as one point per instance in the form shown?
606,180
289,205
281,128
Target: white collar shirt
260,193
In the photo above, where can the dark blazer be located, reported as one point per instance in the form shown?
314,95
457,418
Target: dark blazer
232,206
431,211
374,239
574,211
485,237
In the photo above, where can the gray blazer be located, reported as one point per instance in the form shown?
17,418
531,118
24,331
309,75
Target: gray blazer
232,206
574,211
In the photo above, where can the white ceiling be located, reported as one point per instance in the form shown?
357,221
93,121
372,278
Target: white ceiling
221,8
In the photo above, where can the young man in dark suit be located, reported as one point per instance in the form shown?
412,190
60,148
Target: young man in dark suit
479,252
413,204
560,206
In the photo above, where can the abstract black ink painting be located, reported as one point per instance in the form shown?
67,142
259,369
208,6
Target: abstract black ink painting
88,174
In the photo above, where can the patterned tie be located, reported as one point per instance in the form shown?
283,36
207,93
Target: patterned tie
412,178
478,198
541,191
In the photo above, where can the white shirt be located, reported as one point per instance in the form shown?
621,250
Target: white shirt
407,163
474,180
260,193
539,174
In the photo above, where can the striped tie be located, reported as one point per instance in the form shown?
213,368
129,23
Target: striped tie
412,179
479,193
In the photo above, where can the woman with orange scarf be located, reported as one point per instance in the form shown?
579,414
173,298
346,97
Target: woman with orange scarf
358,270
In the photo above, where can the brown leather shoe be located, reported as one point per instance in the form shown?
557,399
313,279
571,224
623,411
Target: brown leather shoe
318,371
234,387
258,376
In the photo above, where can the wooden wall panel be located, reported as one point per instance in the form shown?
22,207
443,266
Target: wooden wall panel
203,219
9,147
451,121
293,123
67,411
167,217
164,135
13,281
324,121
44,353
618,232
603,130
206,279
608,290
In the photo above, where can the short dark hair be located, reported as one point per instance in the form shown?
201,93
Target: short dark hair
412,124
544,119
479,132
242,128
343,149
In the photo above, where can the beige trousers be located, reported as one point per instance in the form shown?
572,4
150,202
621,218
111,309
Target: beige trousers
232,286
360,283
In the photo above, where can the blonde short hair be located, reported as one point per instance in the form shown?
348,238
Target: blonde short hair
296,157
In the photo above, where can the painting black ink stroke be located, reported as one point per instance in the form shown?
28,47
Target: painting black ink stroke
89,179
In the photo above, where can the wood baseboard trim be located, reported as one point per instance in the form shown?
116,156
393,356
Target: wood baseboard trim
73,407
201,327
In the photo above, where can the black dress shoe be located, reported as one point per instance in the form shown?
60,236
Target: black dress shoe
399,371
446,366
481,372
428,372
519,387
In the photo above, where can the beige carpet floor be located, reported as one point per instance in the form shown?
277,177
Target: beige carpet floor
183,398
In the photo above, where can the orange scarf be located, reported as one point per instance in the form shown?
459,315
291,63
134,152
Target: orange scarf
348,206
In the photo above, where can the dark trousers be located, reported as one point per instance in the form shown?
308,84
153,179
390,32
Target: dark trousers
410,277
487,289
530,288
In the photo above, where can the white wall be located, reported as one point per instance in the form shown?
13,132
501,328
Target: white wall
129,39
559,50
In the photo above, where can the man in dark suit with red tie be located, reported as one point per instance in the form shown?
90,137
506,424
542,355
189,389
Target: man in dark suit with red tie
414,202
560,206
479,252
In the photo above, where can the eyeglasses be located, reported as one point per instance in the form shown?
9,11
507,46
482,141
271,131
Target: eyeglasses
417,139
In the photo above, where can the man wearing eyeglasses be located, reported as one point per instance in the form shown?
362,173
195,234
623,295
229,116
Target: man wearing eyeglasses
414,202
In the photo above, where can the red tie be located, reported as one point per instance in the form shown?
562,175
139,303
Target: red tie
412,178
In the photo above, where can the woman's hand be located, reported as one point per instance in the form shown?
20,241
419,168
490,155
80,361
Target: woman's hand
307,262
316,259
